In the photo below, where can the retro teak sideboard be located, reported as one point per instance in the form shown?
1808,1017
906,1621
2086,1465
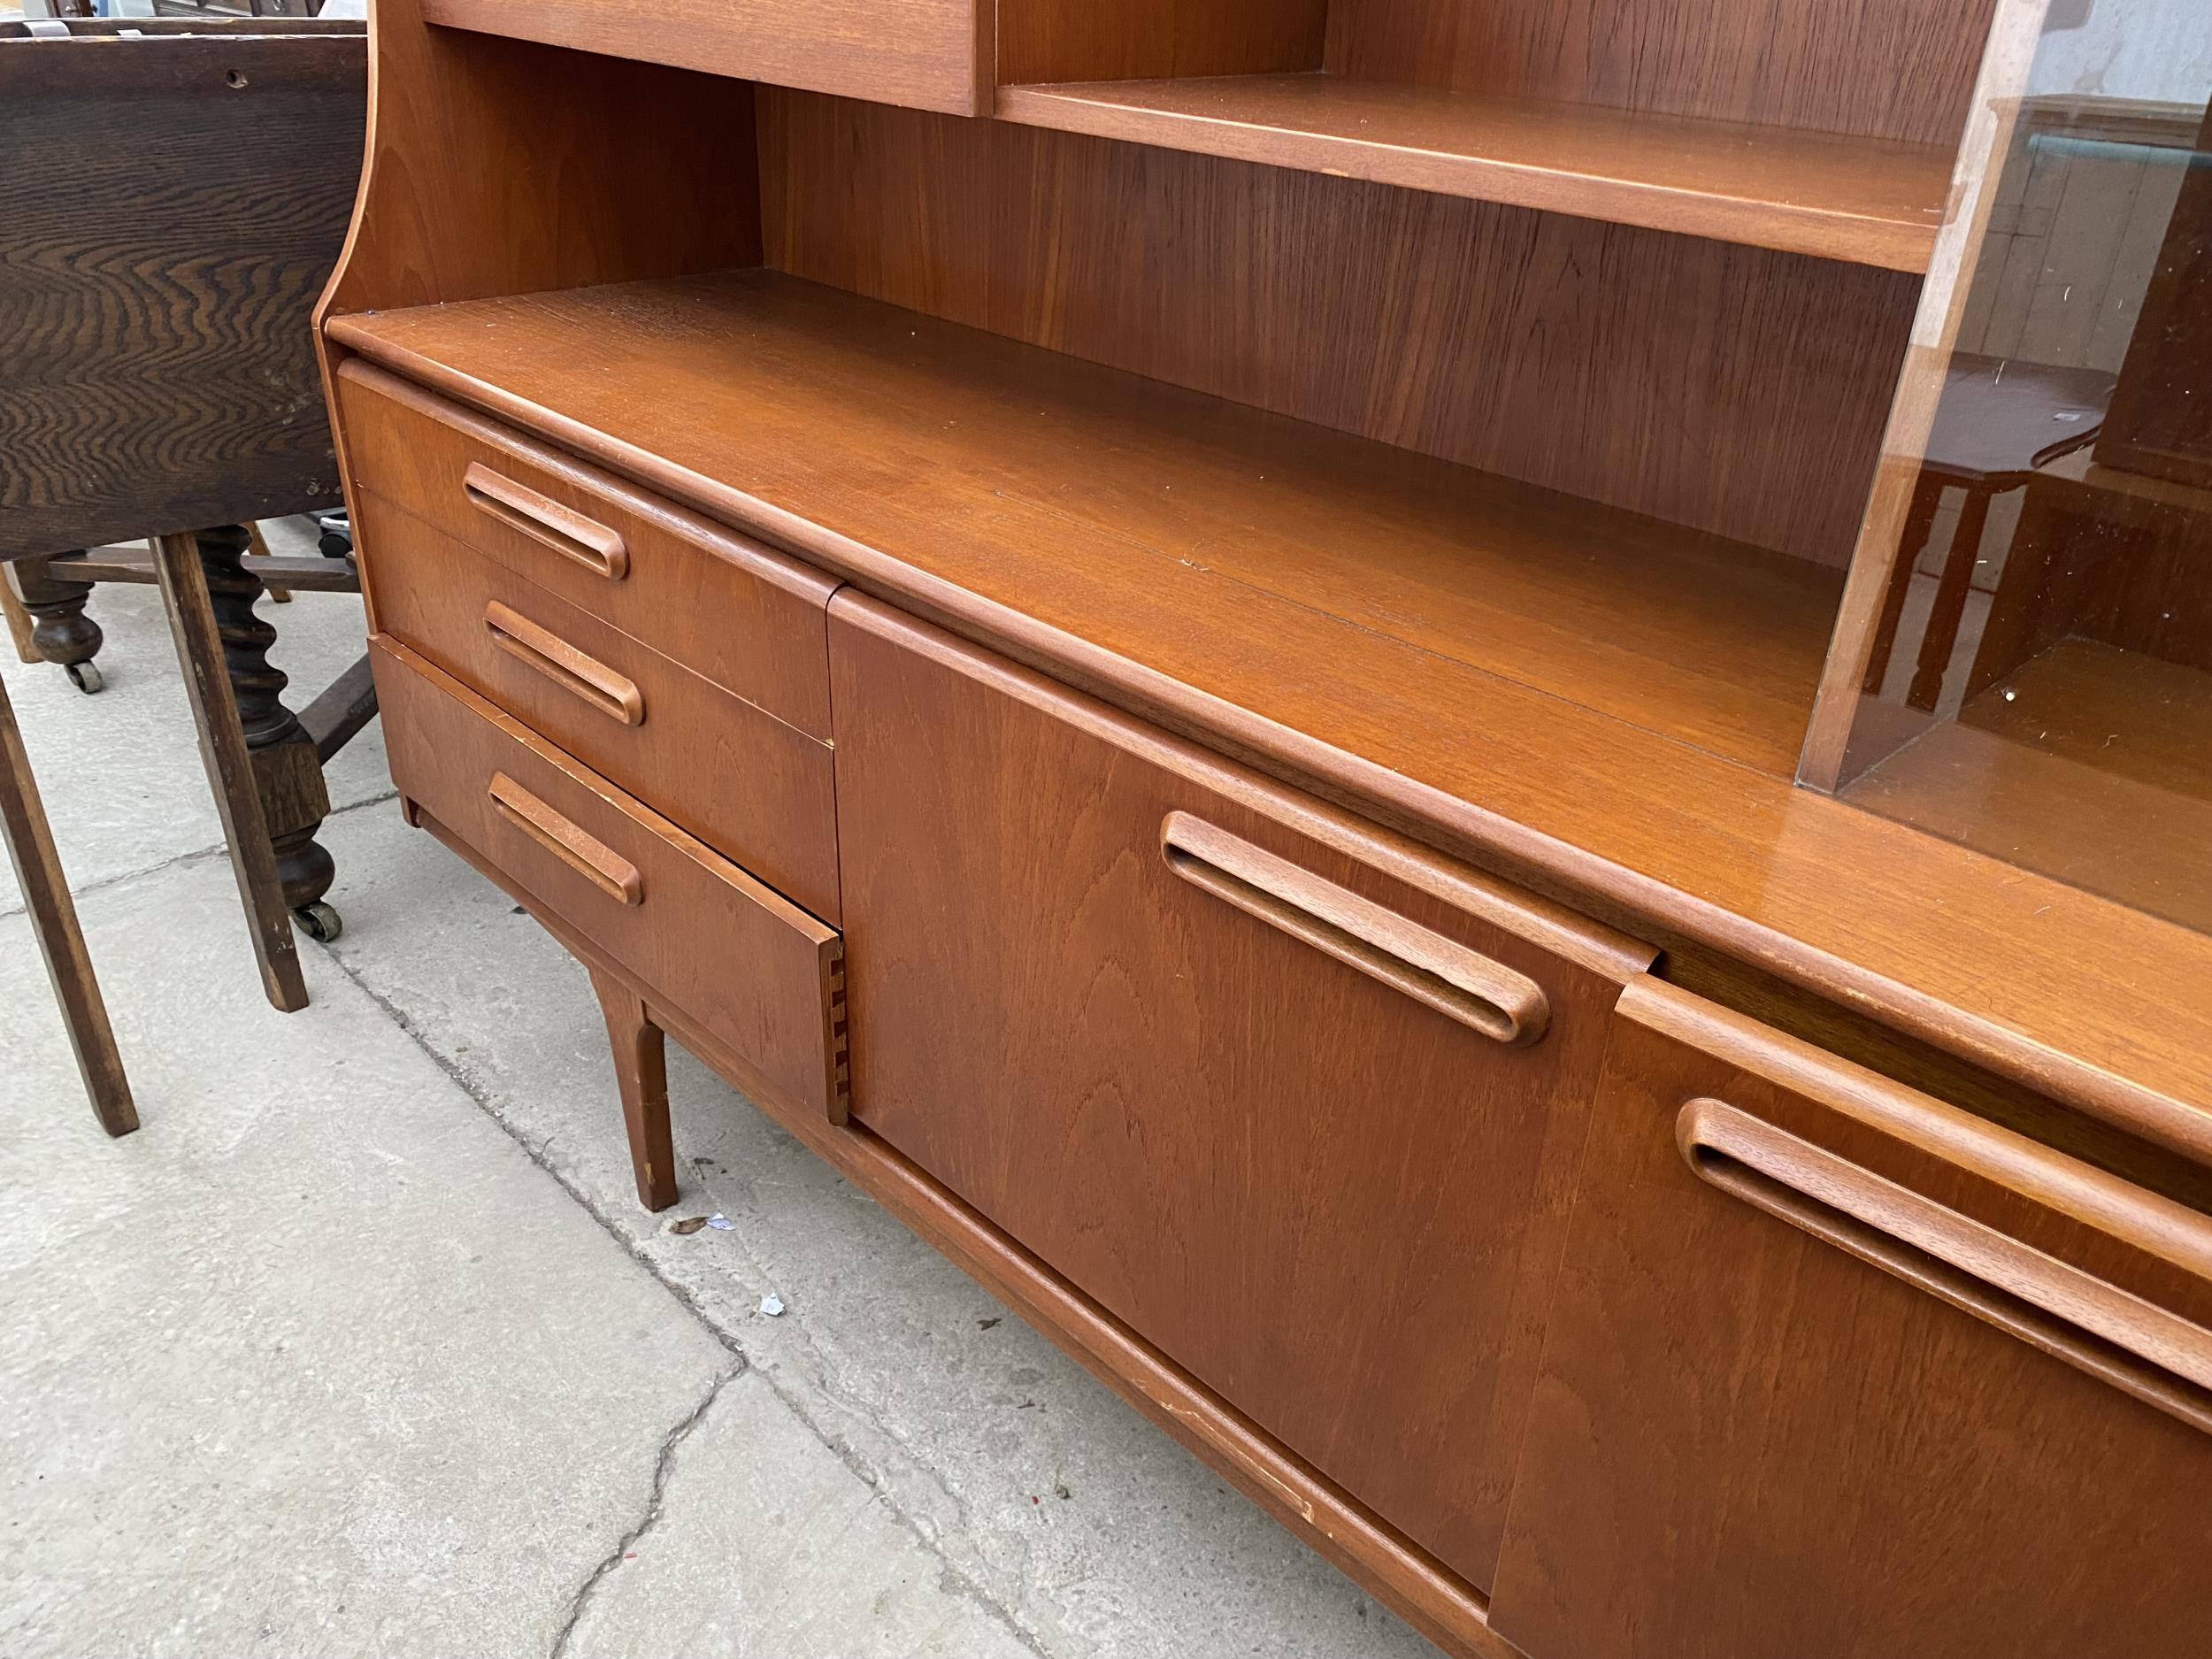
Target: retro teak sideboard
1474,734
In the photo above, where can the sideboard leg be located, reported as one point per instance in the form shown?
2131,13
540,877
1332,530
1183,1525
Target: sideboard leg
640,1070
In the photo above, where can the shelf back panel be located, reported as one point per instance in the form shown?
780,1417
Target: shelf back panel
1727,389
1882,68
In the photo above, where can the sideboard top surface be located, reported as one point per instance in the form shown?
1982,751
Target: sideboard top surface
1374,624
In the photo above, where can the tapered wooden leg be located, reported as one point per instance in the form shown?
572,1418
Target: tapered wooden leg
1919,521
230,767
60,941
640,1070
1941,636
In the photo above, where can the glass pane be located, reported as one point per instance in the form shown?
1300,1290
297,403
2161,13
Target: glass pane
2040,680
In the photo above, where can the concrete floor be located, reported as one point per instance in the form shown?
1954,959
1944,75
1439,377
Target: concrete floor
363,1344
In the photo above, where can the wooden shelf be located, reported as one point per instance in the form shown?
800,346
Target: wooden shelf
793,392
1866,201
1485,661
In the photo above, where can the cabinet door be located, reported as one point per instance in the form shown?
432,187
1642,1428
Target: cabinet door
1293,1099
1835,1369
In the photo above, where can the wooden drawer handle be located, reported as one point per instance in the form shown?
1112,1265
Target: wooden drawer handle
545,521
2134,1344
586,678
1461,984
590,857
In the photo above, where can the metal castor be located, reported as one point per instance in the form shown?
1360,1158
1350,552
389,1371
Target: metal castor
85,676
319,922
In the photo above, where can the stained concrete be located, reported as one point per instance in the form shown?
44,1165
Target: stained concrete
514,1413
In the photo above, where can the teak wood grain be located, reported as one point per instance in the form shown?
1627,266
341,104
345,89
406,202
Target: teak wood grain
746,617
1869,201
2106,1009
756,790
1084,40
1728,388
1899,69
933,54
744,962
1765,1390
1231,1102
837,403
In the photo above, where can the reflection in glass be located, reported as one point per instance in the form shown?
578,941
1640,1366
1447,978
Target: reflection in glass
2040,680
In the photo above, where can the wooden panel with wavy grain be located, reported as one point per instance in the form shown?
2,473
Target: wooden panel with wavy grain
173,207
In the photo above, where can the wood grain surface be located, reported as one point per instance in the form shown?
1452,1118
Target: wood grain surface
161,260
1080,40
1335,1205
933,54
744,962
755,376
1870,201
1727,389
1742,1424
756,790
1883,68
2104,1008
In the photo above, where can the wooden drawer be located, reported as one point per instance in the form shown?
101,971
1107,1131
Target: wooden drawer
755,971
752,788
1837,1369
1295,1100
926,54
746,618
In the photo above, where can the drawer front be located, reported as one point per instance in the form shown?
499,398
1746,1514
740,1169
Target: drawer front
746,618
755,971
745,783
1294,1099
1836,1370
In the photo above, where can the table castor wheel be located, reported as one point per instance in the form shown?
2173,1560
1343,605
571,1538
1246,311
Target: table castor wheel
320,921
85,676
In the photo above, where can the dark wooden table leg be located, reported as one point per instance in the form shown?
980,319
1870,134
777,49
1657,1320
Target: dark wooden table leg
287,769
60,941
18,621
60,630
230,766
1919,520
1941,636
640,1071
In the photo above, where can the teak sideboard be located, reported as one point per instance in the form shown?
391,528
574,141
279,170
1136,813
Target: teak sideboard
1391,706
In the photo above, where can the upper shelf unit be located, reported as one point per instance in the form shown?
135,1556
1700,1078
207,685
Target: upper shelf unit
1867,200
1794,125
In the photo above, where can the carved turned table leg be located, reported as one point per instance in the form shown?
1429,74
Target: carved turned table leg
286,769
60,630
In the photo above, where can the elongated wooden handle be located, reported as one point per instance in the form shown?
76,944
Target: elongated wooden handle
581,676
2128,1340
547,522
1464,985
584,853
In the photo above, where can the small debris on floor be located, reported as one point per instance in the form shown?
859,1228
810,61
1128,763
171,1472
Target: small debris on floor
985,1325
688,1225
1061,1492
772,1305
719,1222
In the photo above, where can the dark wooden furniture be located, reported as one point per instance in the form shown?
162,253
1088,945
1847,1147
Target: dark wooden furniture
1203,686
157,365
